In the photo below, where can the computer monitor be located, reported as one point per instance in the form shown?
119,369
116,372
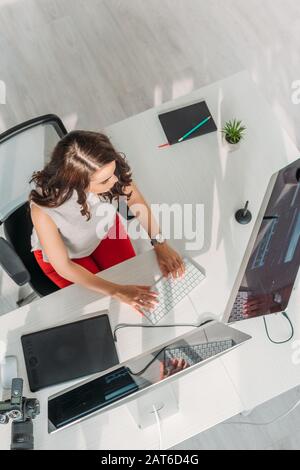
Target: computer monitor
141,375
273,265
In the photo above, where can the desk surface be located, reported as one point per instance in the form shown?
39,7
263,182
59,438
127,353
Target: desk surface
196,171
200,171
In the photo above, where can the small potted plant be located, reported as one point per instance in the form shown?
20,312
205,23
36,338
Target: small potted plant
233,133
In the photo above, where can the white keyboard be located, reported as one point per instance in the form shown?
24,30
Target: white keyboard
197,353
172,291
238,309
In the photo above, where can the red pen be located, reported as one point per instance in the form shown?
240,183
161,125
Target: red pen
164,145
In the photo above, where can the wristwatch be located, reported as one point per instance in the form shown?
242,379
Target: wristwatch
158,239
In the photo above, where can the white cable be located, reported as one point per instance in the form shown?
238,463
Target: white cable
158,426
270,422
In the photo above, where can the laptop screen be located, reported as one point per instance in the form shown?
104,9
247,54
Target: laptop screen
274,262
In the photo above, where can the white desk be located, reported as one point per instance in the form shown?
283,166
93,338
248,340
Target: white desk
197,171
116,429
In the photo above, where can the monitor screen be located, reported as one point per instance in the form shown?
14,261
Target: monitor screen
274,262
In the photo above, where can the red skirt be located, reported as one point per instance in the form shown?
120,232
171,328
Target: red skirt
111,250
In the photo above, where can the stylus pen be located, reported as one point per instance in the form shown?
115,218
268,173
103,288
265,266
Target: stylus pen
195,128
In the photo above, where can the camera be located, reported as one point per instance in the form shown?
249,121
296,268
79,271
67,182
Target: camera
22,411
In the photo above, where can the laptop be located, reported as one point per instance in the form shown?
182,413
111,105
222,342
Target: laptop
140,375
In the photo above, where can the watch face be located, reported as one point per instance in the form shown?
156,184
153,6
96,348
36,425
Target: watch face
277,298
160,238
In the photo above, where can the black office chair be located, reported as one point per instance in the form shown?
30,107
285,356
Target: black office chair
23,150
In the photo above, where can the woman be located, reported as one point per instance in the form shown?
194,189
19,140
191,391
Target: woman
70,240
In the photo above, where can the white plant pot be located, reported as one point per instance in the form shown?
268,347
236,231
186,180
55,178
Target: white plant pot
231,147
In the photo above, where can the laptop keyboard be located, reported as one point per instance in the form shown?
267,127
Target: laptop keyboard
194,354
172,291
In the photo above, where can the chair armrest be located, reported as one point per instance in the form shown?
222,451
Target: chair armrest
12,263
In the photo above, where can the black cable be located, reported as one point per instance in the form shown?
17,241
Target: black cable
139,325
162,350
285,315
148,365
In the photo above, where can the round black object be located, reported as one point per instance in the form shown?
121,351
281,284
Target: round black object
243,216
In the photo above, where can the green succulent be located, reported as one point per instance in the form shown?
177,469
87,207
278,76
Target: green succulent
234,131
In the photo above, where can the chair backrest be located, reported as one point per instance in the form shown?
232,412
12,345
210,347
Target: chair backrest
25,149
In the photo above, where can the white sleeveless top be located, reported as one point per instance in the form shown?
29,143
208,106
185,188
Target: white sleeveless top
80,236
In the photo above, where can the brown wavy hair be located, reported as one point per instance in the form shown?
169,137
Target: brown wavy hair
73,161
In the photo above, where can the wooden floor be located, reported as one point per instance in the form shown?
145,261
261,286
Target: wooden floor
233,435
96,62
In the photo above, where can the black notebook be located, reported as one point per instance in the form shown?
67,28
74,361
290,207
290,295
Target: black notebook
180,121
69,352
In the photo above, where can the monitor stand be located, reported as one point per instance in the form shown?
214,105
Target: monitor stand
163,400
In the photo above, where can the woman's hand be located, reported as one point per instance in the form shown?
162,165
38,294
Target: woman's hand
137,297
171,367
257,305
170,262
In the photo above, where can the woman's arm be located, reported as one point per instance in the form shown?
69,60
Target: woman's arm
57,254
140,208
169,260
